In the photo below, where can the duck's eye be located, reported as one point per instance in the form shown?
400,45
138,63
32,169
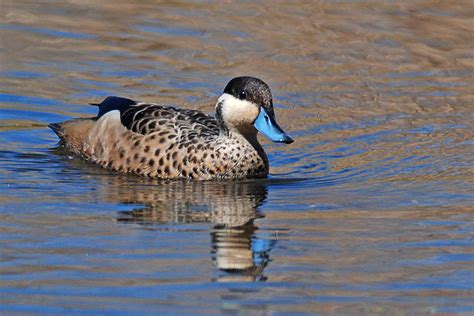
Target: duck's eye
242,95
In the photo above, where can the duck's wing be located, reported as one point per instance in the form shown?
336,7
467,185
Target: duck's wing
147,118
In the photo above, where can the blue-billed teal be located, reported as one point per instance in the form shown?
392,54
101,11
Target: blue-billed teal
169,143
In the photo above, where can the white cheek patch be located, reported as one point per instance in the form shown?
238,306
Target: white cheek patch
238,112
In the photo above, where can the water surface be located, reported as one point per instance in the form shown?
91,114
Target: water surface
368,212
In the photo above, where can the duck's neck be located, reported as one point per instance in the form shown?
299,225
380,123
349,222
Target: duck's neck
251,136
248,133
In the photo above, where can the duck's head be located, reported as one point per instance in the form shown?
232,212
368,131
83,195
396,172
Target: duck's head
246,106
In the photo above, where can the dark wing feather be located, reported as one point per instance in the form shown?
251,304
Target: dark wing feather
148,118
145,118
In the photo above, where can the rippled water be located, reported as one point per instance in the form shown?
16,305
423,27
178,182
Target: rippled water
370,211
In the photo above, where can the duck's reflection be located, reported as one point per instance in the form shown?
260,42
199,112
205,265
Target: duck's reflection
237,250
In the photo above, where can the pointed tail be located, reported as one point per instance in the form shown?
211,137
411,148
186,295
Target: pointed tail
57,128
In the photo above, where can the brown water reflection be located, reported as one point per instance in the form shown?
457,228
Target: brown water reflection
231,207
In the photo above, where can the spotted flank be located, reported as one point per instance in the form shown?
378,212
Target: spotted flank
169,143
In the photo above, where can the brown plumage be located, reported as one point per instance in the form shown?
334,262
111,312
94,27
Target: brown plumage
169,143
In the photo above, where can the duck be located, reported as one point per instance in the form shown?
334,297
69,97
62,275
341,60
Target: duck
167,142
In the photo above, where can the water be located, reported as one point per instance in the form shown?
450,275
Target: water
370,211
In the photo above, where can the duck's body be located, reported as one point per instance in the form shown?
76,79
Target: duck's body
170,143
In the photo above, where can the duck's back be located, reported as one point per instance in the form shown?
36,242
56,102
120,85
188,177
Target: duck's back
157,141
145,119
